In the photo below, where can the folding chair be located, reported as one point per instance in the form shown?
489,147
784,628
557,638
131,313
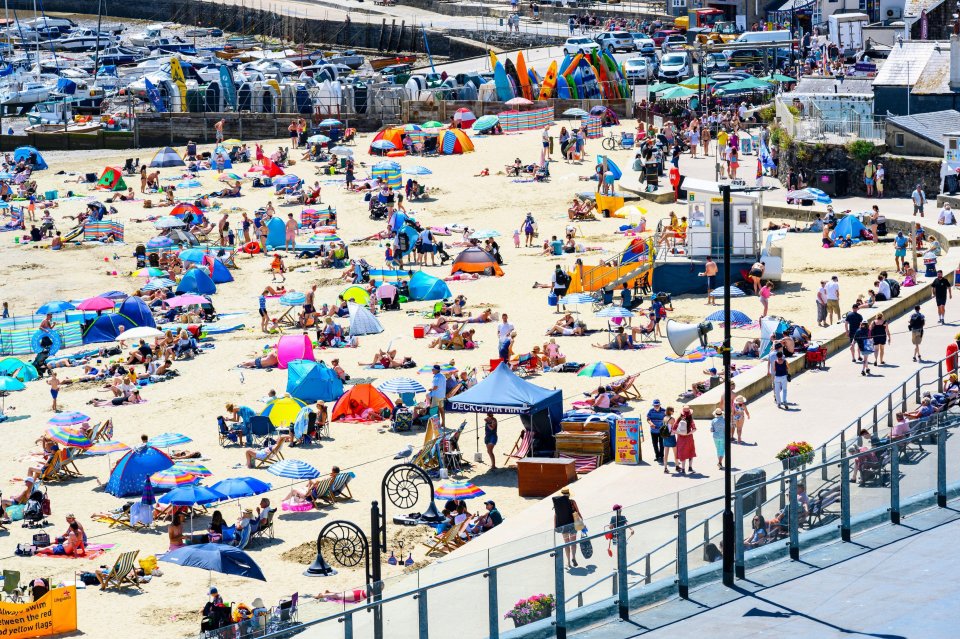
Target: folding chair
266,528
261,427
340,485
122,574
521,448
274,455
445,542
225,434
320,492
11,586
68,469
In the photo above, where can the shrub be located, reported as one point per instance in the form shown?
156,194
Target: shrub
861,150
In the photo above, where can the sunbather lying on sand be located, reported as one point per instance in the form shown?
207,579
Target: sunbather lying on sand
269,360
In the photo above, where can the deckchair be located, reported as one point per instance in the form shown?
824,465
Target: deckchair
122,574
68,469
225,434
340,485
320,492
446,541
521,448
274,455
428,458
102,431
52,470
452,457
627,387
266,528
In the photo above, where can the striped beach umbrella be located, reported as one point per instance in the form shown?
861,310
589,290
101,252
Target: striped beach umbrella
736,317
192,467
64,435
457,489
444,368
55,307
293,469
734,292
293,298
172,478
107,448
600,369
615,311
576,298
159,242
401,385
150,271
68,419
486,122
158,282
167,440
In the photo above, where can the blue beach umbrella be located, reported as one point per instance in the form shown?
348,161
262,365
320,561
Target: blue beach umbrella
576,298
575,113
238,487
615,311
159,242
194,255
418,170
384,145
293,298
220,558
286,180
55,307
736,317
293,469
318,139
159,282
192,496
734,292
401,385
386,165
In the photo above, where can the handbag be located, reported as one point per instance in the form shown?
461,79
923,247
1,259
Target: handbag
41,540
578,524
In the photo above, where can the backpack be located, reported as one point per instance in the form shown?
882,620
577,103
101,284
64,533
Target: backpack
916,322
894,288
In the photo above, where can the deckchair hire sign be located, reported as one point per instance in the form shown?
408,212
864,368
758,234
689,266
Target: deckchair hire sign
53,614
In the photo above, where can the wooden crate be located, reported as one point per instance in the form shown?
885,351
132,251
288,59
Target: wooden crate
586,443
543,476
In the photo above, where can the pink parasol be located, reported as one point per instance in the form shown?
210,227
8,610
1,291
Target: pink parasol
96,304
186,300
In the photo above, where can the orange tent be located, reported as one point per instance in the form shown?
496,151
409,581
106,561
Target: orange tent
475,260
270,169
393,135
363,402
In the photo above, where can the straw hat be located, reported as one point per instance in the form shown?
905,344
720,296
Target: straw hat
565,491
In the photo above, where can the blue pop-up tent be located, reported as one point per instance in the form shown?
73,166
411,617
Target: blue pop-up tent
221,274
106,328
136,311
276,233
133,469
851,226
312,381
196,281
503,393
424,286
24,153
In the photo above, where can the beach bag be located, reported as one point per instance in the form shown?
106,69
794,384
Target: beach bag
868,346
894,288
14,512
41,540
45,506
89,579
578,524
586,545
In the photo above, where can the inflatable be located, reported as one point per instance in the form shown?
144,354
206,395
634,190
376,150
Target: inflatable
55,339
293,347
617,173
251,248
398,153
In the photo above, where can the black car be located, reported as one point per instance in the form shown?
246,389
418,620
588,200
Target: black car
715,63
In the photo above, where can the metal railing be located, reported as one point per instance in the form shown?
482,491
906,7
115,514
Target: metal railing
905,485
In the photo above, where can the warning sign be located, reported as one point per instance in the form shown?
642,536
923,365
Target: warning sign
52,614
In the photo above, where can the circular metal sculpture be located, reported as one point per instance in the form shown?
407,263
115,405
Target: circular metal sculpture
402,485
347,542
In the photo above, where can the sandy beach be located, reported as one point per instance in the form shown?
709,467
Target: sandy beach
190,403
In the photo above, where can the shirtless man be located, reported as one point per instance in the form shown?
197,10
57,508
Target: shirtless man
218,129
291,233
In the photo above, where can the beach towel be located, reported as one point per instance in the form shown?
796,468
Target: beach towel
92,551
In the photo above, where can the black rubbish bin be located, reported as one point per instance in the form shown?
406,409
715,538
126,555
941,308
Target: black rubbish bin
951,184
752,499
833,182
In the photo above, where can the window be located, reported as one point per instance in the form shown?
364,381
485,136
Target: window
953,144
742,216
681,3
898,140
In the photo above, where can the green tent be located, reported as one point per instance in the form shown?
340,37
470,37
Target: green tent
111,180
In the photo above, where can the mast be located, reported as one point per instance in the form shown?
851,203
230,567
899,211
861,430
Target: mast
96,55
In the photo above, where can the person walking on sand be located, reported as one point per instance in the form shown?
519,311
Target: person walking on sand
264,316
832,289
941,289
765,292
218,130
718,430
490,437
919,199
916,324
710,272
54,383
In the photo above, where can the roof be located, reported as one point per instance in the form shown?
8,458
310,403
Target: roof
913,8
833,86
910,57
930,126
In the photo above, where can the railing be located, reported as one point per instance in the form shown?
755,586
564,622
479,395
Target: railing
908,478
865,128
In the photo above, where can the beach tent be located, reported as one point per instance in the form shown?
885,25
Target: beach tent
465,117
358,399
389,276
219,273
427,287
294,347
196,281
270,169
18,369
851,226
356,294
362,321
111,180
105,328
185,207
283,411
312,381
136,311
476,260
227,162
393,135
502,392
454,142
276,233
166,157
133,469
768,329
24,153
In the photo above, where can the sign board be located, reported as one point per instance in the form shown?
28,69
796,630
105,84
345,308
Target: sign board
629,435
53,614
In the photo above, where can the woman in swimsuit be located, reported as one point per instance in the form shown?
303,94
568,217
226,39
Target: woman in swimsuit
740,413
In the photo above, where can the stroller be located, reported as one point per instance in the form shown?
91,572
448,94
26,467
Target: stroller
33,515
40,361
378,211
141,254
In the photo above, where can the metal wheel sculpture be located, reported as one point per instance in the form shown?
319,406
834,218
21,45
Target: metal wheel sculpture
348,544
402,485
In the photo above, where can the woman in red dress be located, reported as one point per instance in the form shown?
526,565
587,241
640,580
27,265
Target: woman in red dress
683,429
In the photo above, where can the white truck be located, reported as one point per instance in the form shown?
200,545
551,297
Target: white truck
846,31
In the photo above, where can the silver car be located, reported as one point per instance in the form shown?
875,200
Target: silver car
638,70
615,41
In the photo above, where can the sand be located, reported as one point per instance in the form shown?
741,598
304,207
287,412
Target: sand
190,402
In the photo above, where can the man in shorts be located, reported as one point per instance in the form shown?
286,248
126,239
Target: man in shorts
915,324
833,299
438,392
919,199
710,272
941,288
218,129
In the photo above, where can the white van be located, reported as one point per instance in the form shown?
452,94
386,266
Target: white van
760,38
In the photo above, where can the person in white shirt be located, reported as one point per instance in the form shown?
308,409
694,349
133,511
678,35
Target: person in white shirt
946,215
919,199
883,288
504,328
833,299
822,305
742,111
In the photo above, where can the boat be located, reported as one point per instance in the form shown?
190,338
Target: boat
84,40
151,33
72,127
24,92
172,45
120,56
82,94
348,58
382,63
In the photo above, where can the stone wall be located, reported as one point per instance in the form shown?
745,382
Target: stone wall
902,172
443,110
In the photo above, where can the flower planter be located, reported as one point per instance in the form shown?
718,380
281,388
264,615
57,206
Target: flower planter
795,462
544,614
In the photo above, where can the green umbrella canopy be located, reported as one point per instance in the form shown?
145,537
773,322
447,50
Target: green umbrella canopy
676,93
432,124
697,81
661,86
779,77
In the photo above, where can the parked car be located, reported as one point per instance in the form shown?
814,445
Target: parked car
638,70
643,43
715,63
674,42
675,66
582,44
746,59
661,35
612,41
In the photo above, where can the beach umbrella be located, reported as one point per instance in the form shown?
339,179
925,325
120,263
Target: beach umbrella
675,93
736,317
288,179
237,487
18,369
808,193
341,150
432,124
55,307
457,489
412,128
444,368
184,237
172,478
630,209
166,440
660,86
293,469
577,298
734,292
188,299
67,437
418,170
158,282
518,101
69,418
170,222
575,113
293,298
139,332
114,295
483,234
778,77
221,558
615,311
401,385
486,122
384,145
694,355
159,242
194,254
8,384
146,497
107,448
96,304
318,139
150,271
330,122
386,165
600,369
192,467
192,495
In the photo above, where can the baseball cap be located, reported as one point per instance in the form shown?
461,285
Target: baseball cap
436,367
656,402
713,370
490,502
213,590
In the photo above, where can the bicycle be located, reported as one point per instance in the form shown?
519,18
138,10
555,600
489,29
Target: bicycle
613,143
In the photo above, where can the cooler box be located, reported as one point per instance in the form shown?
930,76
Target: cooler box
552,299
419,332
50,195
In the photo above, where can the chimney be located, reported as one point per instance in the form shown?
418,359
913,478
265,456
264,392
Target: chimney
954,62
